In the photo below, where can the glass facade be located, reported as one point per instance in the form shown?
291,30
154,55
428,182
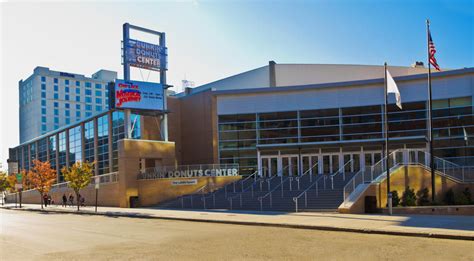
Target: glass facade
89,141
118,133
43,150
312,130
75,145
61,154
103,144
52,151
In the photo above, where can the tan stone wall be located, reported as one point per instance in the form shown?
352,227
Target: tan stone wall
417,178
130,152
156,191
107,196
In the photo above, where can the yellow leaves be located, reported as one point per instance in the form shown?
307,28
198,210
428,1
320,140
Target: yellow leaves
41,176
79,175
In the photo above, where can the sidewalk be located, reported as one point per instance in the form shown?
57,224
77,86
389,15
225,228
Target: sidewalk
451,227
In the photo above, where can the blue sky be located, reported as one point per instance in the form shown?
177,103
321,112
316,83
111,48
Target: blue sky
209,40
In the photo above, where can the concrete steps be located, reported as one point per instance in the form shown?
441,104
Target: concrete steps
328,196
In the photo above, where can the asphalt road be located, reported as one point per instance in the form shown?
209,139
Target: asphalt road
29,235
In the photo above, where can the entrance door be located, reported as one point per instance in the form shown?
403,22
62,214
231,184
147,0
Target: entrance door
269,165
330,163
289,165
310,164
354,159
372,158
286,165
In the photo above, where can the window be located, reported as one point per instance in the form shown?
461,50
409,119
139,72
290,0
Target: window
88,92
66,82
78,83
56,96
43,95
88,114
43,128
62,153
78,114
78,91
88,99
88,107
98,86
43,79
56,112
55,80
98,93
43,102
78,106
89,141
56,120
43,119
52,151
56,88
88,84
56,104
103,144
43,111
75,145
98,100
43,87
78,98
98,108
67,105
66,97
68,113
68,121
66,89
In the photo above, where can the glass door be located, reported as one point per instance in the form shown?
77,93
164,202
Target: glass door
289,165
308,163
269,165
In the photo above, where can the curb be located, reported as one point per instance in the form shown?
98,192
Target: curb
256,223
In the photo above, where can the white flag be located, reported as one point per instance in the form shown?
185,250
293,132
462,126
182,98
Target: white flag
392,88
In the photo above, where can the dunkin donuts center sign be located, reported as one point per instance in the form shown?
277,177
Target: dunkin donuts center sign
161,173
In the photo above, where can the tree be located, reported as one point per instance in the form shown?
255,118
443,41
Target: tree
423,197
4,184
41,177
395,198
79,176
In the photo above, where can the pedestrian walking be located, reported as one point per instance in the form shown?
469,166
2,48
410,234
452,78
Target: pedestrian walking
49,199
45,200
71,200
83,201
64,200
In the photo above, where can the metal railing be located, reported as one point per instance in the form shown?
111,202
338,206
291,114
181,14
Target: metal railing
308,172
401,157
200,191
250,187
270,193
305,193
340,170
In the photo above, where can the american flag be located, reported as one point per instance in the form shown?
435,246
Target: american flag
432,51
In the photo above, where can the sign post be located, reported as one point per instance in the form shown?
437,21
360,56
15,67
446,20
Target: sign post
145,56
19,185
97,182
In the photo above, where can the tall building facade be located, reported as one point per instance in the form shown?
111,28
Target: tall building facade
52,99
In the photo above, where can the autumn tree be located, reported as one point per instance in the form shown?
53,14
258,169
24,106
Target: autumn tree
79,176
4,184
41,177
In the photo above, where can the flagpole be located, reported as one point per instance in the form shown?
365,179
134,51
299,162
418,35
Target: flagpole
389,193
430,114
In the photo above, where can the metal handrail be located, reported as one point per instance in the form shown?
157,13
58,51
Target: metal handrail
331,176
271,193
200,190
306,173
305,193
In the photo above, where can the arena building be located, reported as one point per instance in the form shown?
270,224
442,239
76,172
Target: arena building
276,120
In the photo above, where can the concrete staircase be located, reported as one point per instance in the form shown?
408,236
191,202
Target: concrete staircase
270,194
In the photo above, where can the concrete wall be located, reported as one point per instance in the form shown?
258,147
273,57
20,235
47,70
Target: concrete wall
107,195
340,97
156,191
130,155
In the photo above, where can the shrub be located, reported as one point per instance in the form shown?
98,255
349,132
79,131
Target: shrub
408,197
395,198
423,197
449,197
461,199
467,193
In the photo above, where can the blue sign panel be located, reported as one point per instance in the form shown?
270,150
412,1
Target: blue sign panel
138,95
145,55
